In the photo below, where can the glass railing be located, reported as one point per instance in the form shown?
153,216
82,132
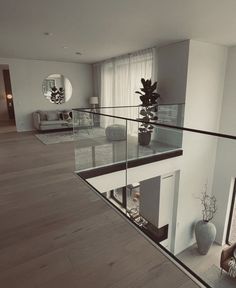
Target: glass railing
111,135
159,184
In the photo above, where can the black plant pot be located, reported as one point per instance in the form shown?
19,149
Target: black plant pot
144,138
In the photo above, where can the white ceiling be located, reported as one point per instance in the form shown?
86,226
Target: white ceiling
101,29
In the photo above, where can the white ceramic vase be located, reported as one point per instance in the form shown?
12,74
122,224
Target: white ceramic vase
205,235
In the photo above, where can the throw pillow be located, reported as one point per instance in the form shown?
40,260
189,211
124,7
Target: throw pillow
52,116
60,116
66,115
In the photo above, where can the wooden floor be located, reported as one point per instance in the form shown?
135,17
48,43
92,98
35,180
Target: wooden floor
7,126
56,232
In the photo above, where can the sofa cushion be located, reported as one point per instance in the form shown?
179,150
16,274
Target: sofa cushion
52,115
43,115
54,127
54,122
60,115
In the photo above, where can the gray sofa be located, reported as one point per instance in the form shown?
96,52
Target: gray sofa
56,119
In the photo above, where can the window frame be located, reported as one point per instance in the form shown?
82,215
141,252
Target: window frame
231,213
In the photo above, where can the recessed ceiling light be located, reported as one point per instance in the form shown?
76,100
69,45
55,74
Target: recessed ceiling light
78,53
65,47
47,33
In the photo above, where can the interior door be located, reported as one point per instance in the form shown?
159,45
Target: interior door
8,90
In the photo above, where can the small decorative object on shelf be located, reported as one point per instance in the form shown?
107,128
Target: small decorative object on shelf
57,95
148,111
205,231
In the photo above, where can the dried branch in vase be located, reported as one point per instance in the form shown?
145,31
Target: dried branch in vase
209,206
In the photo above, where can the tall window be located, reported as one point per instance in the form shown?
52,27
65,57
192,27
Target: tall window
120,78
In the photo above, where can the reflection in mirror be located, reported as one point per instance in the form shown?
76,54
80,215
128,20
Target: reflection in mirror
57,88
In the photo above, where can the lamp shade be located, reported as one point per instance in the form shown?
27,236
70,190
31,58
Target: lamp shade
93,100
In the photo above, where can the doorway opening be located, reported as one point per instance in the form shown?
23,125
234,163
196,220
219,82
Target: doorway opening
150,205
7,113
231,231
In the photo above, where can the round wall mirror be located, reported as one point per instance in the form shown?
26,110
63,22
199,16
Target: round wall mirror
57,88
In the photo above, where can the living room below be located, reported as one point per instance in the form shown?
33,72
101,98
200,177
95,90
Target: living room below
27,78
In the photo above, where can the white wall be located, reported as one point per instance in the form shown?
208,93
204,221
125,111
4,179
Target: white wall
157,203
225,169
225,173
26,80
3,102
172,68
228,115
204,92
172,63
204,82
118,179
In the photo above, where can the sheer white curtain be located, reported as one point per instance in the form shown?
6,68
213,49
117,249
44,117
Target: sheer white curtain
119,79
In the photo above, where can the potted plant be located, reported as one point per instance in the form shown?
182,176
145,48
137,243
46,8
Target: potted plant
149,106
205,231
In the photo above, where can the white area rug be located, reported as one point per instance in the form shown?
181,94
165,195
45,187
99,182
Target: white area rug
67,136
214,278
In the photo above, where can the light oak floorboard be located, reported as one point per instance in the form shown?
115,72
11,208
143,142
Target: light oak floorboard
56,232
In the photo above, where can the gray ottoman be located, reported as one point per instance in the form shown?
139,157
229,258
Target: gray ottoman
116,132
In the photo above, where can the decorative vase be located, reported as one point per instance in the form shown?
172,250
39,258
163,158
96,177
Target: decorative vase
205,235
144,138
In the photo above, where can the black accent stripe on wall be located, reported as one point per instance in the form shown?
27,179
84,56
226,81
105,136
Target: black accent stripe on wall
131,164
